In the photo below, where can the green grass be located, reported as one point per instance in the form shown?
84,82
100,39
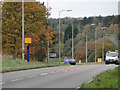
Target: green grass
17,64
108,79
9,64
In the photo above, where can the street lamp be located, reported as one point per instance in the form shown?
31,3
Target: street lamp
72,42
86,40
86,43
48,37
103,28
95,44
95,41
59,33
22,29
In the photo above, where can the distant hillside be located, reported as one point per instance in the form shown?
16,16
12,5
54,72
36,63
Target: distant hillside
80,26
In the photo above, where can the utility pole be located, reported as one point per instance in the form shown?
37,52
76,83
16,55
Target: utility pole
60,33
95,44
48,37
59,38
72,41
22,29
103,28
95,40
86,44
103,49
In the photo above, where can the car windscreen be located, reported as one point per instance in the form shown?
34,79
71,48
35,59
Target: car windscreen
72,60
112,54
67,60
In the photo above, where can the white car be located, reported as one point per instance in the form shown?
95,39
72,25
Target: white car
111,57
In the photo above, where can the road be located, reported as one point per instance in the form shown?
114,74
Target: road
53,77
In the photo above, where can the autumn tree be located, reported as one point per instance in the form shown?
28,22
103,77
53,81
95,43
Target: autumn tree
12,28
107,47
35,27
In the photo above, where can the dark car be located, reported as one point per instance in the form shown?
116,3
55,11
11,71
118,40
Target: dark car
71,61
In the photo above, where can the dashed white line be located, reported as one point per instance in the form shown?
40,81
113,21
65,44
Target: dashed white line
44,68
44,74
31,76
15,80
2,83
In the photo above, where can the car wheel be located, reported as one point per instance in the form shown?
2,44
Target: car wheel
117,63
106,63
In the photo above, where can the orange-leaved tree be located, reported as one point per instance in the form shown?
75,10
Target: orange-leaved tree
35,27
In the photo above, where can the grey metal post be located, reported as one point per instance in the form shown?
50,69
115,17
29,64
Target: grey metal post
103,28
22,29
60,35
48,51
86,44
95,44
48,37
95,41
72,42
103,49
59,39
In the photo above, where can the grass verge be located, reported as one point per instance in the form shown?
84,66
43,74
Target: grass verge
9,64
108,79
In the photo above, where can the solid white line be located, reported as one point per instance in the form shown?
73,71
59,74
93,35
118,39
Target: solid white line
44,74
90,81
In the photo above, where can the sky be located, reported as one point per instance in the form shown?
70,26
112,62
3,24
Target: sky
82,8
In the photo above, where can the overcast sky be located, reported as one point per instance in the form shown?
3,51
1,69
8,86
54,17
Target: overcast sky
82,8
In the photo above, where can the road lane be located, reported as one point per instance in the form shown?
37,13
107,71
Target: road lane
54,77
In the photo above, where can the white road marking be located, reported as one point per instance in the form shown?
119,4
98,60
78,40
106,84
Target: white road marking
2,82
44,68
31,76
15,80
44,74
90,81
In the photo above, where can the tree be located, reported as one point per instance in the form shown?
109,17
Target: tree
68,33
11,33
35,27
107,47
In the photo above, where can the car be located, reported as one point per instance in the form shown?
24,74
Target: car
70,61
66,61
112,58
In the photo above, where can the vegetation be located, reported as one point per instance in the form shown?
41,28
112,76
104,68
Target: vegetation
35,27
108,79
109,36
10,64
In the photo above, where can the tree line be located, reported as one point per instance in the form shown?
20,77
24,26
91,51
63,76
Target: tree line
80,26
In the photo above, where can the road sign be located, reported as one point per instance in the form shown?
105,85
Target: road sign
99,59
79,61
28,40
27,52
